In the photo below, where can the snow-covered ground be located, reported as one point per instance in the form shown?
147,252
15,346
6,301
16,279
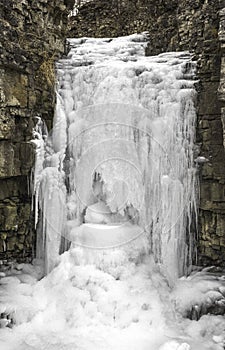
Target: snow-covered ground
124,305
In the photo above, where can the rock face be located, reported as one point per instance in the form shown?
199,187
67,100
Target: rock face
32,37
198,26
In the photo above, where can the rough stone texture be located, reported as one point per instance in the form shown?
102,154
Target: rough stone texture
32,37
210,136
197,26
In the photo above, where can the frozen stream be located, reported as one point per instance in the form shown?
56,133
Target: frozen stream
115,208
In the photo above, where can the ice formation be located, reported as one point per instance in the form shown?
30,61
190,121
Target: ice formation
125,306
115,180
123,135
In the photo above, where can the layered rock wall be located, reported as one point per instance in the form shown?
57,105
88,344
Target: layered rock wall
197,26
32,37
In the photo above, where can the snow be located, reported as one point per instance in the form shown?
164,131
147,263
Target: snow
127,305
200,289
173,345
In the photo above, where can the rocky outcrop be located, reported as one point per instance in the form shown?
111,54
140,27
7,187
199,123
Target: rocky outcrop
32,37
197,26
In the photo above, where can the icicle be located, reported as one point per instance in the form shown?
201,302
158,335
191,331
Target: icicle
40,134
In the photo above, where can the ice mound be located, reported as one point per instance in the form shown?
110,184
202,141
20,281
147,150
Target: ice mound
99,236
81,307
84,306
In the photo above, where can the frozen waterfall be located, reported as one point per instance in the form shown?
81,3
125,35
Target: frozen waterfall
117,170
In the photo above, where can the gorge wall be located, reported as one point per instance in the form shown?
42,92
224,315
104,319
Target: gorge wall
32,37
197,26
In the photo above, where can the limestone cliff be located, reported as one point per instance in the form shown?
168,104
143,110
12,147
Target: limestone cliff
32,37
